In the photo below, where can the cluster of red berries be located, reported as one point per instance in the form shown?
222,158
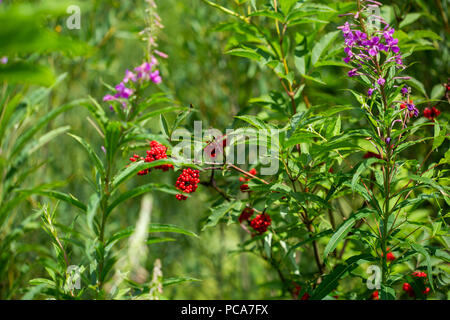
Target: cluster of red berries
156,152
187,182
261,223
409,288
431,113
244,187
246,214
389,256
296,293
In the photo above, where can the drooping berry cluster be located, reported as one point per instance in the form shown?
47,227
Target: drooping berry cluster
187,182
244,186
246,214
420,279
261,223
157,152
431,113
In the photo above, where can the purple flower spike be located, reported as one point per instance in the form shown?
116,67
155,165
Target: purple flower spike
405,90
388,140
155,77
353,72
412,108
370,92
109,97
129,76
381,81
122,91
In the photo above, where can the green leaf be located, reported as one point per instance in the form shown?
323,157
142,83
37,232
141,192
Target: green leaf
153,228
158,227
320,47
164,126
267,13
286,5
344,229
246,53
418,248
331,281
56,195
134,168
220,211
92,208
135,192
439,135
300,137
30,133
361,168
34,145
91,153
178,280
254,121
113,133
158,112
387,293
410,18
25,73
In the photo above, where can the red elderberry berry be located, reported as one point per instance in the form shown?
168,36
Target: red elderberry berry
375,295
246,214
426,291
431,113
187,182
180,197
390,256
261,223
408,289
419,274
158,152
244,187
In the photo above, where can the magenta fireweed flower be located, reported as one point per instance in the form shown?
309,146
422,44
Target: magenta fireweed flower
109,97
353,72
4,60
405,90
381,81
122,91
129,76
370,92
161,54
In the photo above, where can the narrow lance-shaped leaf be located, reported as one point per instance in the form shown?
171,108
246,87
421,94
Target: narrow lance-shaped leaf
92,154
344,229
